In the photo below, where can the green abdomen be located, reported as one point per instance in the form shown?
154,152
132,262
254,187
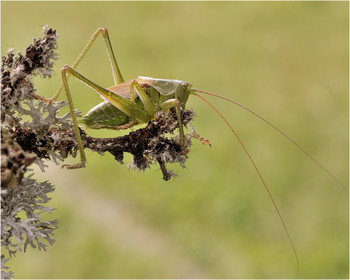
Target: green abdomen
105,115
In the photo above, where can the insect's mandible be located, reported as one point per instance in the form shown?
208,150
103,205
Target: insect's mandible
131,102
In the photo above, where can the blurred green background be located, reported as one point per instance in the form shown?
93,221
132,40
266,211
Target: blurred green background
286,60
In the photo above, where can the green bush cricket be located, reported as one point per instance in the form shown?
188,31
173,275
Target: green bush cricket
133,102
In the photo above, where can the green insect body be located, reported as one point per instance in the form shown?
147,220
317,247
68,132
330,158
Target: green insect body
159,91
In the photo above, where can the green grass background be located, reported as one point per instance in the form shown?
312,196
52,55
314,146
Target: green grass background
286,60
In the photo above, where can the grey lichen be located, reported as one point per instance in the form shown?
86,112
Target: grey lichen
23,198
29,199
32,132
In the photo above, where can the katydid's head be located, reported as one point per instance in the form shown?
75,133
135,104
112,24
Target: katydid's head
179,89
182,92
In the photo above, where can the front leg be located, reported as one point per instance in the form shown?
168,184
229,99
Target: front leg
175,103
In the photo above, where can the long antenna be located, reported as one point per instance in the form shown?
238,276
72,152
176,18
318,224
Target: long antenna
281,132
260,176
